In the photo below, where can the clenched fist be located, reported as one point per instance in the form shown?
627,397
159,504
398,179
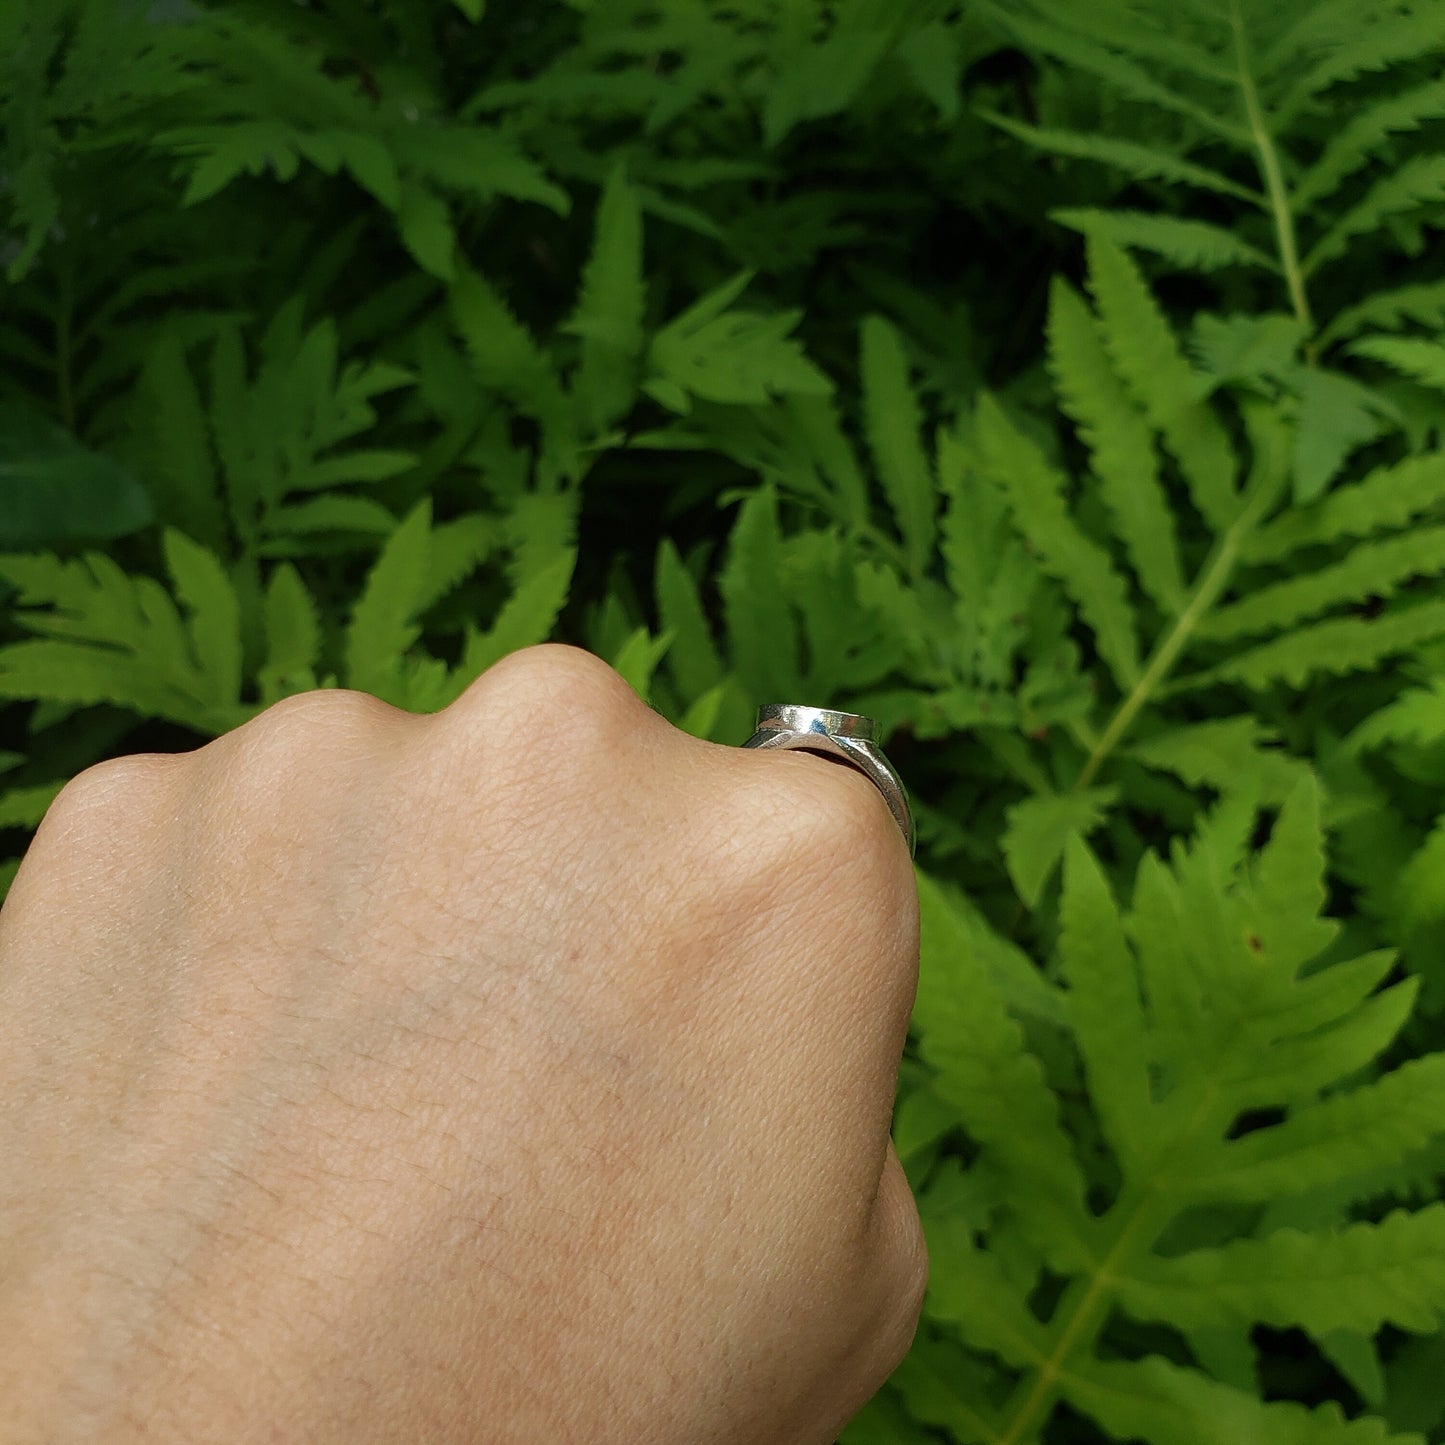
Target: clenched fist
520,1073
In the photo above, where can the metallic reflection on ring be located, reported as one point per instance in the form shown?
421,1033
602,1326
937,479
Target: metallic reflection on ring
845,735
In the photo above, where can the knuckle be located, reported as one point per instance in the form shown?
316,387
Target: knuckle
556,679
820,812
553,706
92,805
292,733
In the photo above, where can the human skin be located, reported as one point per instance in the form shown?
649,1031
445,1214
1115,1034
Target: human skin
520,1073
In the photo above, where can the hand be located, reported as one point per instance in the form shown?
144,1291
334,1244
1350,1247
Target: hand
520,1073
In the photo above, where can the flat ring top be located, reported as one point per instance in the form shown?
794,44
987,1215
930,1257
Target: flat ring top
793,718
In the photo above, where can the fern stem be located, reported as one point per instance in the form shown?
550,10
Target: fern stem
1270,171
1139,1214
1212,582
1083,1306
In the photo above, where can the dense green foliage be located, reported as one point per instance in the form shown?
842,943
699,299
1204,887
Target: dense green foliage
1061,383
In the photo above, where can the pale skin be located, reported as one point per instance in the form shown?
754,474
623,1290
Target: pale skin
520,1073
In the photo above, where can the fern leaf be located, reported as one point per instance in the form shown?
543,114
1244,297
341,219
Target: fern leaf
324,514
1105,1009
1362,1278
424,221
25,807
1419,182
1338,646
1245,348
1385,41
1125,461
293,637
1416,717
215,613
893,424
383,623
823,78
1299,1067
1040,830
1372,569
1152,366
1358,143
975,1295
932,56
694,659
170,432
1423,361
1350,1133
526,617
1336,415
503,353
1421,886
1424,302
985,1071
1391,496
61,672
1084,568
1221,753
613,299
1286,892
476,161
1140,161
762,630
1118,71
1165,1404
638,658
1186,245
737,358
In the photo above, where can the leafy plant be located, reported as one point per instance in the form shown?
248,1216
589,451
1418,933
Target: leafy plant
1061,384
1206,1190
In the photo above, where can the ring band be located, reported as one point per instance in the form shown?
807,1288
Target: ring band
845,735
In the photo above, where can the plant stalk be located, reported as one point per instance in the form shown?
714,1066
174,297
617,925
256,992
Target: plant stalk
1273,177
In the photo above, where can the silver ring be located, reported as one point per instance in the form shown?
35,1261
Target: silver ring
846,735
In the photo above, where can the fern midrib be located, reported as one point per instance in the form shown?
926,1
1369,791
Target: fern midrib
1212,581
1142,1211
1270,170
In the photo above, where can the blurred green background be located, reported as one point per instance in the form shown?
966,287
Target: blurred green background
1060,383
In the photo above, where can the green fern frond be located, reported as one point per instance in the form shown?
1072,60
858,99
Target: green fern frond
1423,303
1362,1278
1421,360
293,637
893,423
1153,367
1418,183
1416,717
1202,1002
1222,754
694,658
1390,496
1083,568
1041,829
1369,570
384,622
1358,143
106,637
1165,1404
1385,41
1119,72
1186,245
1125,459
1143,162
1336,647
